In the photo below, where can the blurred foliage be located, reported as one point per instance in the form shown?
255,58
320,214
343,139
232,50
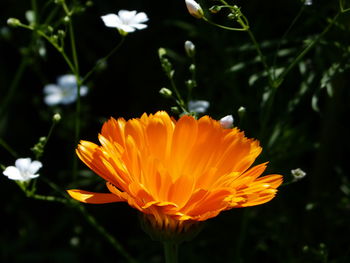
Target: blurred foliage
302,123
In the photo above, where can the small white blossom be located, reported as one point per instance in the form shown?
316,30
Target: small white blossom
126,21
227,121
64,92
307,2
24,170
198,106
190,48
194,8
298,174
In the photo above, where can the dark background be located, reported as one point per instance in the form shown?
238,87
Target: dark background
308,221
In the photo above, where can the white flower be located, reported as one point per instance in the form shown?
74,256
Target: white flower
198,106
64,92
24,170
190,48
194,8
298,174
227,121
307,2
126,21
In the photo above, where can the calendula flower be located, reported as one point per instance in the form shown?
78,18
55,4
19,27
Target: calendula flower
126,21
176,173
24,170
64,92
194,8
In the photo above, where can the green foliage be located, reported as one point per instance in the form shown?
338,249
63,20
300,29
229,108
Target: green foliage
279,67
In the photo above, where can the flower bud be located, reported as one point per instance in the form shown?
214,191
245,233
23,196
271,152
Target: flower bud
13,22
190,48
56,117
298,174
241,112
66,19
214,9
61,33
194,9
30,16
227,121
165,92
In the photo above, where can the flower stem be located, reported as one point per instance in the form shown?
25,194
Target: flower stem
170,252
102,60
307,49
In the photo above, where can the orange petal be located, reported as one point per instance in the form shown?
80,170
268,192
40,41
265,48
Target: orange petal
93,198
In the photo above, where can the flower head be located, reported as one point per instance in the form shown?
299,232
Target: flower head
190,48
297,174
126,21
194,8
24,170
198,106
176,172
227,121
64,92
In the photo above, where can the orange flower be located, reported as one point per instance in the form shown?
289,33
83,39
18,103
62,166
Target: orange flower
176,172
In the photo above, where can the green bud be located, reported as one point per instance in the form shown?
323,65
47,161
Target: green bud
167,93
214,9
56,118
61,33
54,38
161,52
42,139
192,68
66,19
241,112
190,84
89,3
13,22
30,16
175,109
232,16
50,29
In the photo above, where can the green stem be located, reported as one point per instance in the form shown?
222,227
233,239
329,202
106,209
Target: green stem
225,27
79,83
35,10
46,198
306,50
180,101
53,43
170,252
102,60
8,148
241,235
261,55
296,18
89,218
115,243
